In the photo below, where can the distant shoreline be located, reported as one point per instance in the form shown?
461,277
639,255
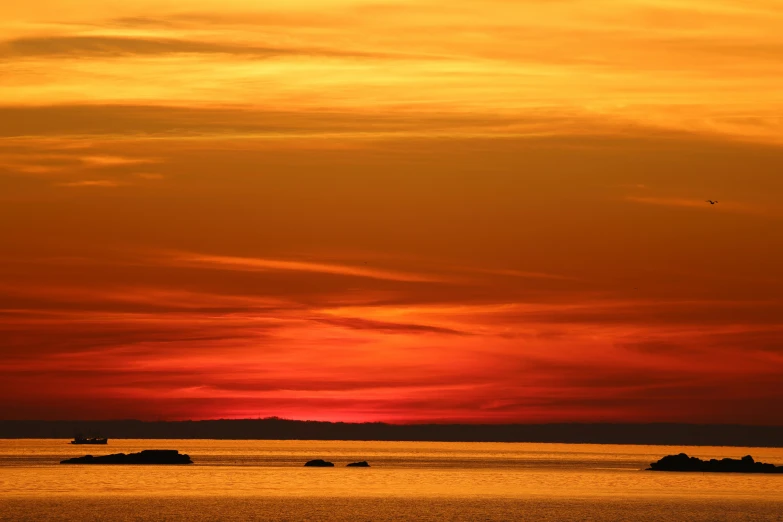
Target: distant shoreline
658,434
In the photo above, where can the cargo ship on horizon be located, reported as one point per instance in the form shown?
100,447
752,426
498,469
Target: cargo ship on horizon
81,439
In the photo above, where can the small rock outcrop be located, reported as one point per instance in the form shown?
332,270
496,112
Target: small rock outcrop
362,464
683,462
318,463
145,457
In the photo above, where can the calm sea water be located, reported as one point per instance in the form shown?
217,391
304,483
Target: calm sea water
265,480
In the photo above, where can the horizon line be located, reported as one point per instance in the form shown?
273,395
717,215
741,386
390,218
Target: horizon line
412,424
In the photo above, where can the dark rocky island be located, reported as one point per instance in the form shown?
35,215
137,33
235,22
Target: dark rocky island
683,462
145,457
362,464
318,463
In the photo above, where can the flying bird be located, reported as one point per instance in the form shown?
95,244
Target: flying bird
711,202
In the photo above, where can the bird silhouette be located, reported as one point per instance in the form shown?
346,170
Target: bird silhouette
711,202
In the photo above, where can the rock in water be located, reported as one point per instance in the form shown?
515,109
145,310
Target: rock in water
683,462
145,457
318,463
362,464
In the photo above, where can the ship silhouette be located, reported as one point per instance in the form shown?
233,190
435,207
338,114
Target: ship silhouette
81,439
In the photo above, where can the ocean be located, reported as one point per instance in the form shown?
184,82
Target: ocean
265,480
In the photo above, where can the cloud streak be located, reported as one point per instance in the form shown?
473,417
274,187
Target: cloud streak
730,206
254,264
123,47
92,183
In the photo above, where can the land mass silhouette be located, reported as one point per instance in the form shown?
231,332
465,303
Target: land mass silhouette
319,463
683,462
144,457
281,429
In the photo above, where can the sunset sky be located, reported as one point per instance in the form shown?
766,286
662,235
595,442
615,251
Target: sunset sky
405,211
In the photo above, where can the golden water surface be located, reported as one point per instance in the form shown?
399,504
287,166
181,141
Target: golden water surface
266,480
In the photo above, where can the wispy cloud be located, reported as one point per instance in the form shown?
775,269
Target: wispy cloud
255,264
111,161
107,183
111,120
669,202
124,46
358,323
730,206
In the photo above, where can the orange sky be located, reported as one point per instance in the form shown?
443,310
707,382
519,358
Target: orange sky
483,211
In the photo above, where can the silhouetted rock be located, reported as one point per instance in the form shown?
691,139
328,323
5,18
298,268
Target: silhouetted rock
145,457
362,464
683,462
318,463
